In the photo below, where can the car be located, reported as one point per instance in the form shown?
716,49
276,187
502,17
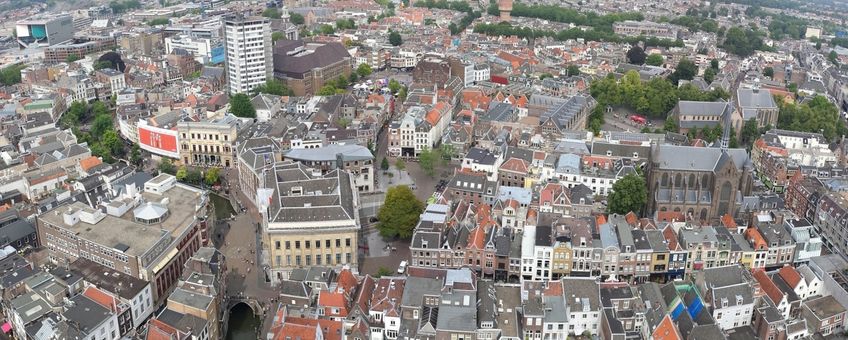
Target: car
402,267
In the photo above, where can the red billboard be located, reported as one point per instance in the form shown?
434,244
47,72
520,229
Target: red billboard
159,141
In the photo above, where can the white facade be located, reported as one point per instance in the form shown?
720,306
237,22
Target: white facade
248,52
405,59
731,314
200,48
535,260
142,306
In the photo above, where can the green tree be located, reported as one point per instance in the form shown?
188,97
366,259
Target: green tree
75,114
749,131
363,70
327,29
399,213
628,194
447,151
72,58
384,164
768,72
212,176
833,57
241,106
275,87
343,122
159,21
101,124
395,39
277,36
182,173
194,177
686,70
111,141
714,64
272,13
670,124
654,59
11,75
636,55
400,165
709,75
383,271
327,90
428,159
102,64
166,166
572,70
135,155
394,86
296,18
344,24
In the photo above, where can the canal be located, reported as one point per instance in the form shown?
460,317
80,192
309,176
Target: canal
243,324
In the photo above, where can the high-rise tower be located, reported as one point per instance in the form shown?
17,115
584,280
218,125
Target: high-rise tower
247,41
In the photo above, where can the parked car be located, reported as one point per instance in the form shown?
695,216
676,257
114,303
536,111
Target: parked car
402,267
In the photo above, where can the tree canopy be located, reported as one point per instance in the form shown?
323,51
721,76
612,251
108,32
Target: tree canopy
654,59
628,194
636,55
363,70
686,70
241,106
297,18
399,213
742,42
275,87
272,13
817,115
395,39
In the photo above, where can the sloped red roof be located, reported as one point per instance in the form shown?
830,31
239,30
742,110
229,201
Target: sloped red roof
516,165
346,281
768,286
790,275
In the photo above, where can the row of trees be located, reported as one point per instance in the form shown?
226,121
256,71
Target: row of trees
567,15
696,23
505,29
460,6
817,115
101,136
119,7
337,86
192,176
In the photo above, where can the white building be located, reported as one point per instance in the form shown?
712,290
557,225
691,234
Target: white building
536,253
247,41
200,48
582,304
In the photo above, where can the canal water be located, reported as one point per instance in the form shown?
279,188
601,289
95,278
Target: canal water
243,324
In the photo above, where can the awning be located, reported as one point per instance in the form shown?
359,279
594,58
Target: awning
7,327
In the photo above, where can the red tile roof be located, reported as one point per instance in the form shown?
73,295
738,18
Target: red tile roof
728,222
516,165
333,300
346,281
790,275
768,286
756,239
332,330
671,237
89,163
102,298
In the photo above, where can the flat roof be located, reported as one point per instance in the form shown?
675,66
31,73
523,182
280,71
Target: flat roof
121,231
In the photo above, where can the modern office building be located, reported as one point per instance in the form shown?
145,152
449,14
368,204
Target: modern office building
40,32
247,41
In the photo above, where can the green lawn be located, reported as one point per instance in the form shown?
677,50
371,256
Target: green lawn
223,207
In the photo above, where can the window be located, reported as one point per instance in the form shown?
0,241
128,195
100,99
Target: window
277,245
338,258
288,244
327,244
347,242
297,260
347,258
338,242
306,243
308,260
296,244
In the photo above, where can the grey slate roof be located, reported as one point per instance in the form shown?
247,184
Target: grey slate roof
292,64
754,99
697,158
